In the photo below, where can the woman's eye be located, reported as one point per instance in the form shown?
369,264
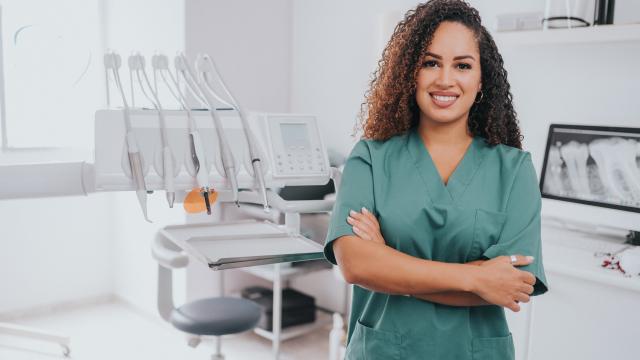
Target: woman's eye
464,66
429,63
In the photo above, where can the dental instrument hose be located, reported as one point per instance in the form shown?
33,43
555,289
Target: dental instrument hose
160,63
256,162
113,61
167,156
228,162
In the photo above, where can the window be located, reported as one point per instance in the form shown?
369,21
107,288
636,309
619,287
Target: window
52,72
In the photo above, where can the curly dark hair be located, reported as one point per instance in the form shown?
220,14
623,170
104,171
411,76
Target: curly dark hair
390,107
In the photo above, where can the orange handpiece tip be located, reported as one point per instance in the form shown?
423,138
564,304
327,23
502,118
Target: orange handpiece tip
194,202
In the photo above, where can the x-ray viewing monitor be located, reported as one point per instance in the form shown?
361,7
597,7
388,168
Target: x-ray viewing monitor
592,174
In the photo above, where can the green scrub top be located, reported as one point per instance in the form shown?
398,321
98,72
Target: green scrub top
489,207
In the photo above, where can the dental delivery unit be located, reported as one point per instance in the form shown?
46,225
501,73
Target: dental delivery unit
209,149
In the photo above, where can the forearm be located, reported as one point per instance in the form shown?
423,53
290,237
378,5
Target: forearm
456,298
383,269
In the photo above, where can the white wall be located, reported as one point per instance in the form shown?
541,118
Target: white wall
251,44
54,251
593,84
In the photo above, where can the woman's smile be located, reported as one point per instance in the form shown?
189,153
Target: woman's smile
443,99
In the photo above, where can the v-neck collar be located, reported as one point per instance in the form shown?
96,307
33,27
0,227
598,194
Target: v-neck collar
459,179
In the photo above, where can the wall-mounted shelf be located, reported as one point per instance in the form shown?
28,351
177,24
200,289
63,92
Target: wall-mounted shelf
585,35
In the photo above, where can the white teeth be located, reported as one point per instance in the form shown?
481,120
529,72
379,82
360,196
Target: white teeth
444,98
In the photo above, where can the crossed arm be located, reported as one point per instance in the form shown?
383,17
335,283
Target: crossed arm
365,226
456,298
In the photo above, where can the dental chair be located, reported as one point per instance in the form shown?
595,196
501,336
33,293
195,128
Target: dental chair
214,316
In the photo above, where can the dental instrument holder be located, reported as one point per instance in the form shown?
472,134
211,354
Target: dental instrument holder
160,65
207,69
112,63
293,155
137,67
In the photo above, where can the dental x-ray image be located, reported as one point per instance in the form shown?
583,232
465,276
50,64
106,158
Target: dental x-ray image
593,165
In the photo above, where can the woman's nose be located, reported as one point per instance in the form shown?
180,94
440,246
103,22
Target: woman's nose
445,77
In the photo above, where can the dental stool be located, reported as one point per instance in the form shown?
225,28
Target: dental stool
205,317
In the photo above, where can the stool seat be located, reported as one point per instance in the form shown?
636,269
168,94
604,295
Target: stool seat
216,316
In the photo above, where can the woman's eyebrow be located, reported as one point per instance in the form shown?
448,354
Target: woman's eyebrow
460,57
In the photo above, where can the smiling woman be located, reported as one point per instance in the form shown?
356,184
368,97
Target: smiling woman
391,105
447,78
437,218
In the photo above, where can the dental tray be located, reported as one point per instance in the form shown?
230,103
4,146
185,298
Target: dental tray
241,244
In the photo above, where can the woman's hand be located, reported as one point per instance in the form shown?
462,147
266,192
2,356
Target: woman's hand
365,225
500,283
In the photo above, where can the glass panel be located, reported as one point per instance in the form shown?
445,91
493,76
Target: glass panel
54,77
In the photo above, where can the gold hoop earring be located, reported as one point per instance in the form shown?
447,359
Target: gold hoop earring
481,95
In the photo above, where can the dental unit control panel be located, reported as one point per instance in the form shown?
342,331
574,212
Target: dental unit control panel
295,151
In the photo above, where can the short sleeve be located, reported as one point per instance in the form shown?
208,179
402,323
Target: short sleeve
522,230
355,191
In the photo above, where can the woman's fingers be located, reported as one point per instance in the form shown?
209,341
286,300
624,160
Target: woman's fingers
522,297
521,260
361,233
513,306
372,218
527,289
528,277
365,225
505,284
362,225
365,218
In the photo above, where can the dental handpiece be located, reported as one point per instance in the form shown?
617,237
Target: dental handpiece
112,62
136,64
256,162
228,162
161,65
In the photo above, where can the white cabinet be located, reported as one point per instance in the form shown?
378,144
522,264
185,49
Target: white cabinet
587,320
589,312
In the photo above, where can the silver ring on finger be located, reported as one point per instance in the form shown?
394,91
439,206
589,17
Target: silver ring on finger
513,259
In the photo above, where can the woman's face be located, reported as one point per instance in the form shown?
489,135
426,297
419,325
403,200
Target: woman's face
449,78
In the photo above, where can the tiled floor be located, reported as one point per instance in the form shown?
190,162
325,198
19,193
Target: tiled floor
116,331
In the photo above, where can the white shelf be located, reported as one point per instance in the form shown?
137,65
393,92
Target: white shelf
571,253
322,319
584,35
267,272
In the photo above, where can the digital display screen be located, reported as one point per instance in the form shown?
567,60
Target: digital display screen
593,165
295,135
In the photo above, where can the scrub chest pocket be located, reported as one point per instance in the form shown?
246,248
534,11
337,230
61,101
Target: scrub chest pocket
487,230
444,233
